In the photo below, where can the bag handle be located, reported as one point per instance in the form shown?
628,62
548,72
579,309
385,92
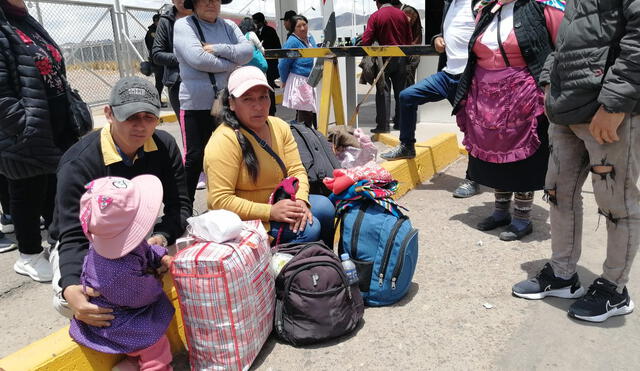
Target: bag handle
270,151
212,77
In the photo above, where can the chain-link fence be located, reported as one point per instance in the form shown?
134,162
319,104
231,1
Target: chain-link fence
100,43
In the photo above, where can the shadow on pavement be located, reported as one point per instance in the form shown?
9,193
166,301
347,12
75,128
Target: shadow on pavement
475,214
273,340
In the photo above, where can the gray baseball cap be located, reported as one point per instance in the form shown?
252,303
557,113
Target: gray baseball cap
132,95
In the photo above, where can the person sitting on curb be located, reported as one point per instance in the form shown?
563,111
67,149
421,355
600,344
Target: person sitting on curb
452,43
593,105
128,146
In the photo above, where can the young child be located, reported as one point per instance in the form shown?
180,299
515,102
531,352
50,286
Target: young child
117,215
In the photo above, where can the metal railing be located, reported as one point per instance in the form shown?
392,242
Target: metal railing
100,42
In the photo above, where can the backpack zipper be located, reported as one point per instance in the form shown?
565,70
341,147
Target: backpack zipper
389,247
398,268
340,271
355,234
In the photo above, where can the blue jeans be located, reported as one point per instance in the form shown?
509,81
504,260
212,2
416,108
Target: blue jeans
434,88
321,228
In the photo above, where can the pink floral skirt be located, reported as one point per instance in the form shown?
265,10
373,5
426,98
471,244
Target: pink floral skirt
298,94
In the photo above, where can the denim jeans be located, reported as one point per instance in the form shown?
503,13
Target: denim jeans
321,228
434,88
395,76
574,153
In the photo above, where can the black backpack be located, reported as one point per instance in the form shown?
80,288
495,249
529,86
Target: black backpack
317,156
314,301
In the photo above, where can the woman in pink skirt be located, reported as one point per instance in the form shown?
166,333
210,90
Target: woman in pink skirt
298,94
500,107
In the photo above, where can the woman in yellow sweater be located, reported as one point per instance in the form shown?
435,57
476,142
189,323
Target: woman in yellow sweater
242,173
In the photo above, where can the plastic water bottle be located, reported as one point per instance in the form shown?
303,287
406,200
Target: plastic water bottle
349,269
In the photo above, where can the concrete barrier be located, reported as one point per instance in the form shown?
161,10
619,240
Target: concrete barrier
59,352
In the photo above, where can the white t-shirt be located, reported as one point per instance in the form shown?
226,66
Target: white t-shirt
459,25
490,37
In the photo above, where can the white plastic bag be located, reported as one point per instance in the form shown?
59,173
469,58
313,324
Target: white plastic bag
215,226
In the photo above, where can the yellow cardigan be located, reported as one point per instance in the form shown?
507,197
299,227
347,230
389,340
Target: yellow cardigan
229,183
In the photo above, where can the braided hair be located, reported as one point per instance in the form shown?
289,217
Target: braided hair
229,118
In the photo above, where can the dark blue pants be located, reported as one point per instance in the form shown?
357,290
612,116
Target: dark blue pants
321,229
434,88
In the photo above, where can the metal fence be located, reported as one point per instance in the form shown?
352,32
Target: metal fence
100,42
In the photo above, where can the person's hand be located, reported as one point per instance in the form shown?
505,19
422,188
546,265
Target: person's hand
305,218
83,310
604,126
286,211
438,44
547,91
208,48
165,264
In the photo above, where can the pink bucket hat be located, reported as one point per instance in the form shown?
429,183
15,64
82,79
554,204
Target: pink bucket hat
245,78
117,213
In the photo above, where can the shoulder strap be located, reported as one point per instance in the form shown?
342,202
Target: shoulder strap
270,151
502,51
212,77
301,135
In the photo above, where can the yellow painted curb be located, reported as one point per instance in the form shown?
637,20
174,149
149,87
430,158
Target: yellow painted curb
59,352
387,139
169,117
431,156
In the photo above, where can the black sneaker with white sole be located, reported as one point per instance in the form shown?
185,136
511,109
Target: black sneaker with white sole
547,284
601,302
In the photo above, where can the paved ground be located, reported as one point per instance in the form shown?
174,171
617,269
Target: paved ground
442,323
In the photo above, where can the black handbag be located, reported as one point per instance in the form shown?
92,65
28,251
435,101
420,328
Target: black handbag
80,119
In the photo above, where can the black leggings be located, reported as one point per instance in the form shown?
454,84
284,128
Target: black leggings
4,195
197,126
31,198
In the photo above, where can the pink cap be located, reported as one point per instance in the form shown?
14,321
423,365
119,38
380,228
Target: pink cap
245,78
117,214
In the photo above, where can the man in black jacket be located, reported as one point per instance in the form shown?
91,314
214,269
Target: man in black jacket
127,147
592,84
158,70
162,51
270,40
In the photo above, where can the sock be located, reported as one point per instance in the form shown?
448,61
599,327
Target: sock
28,256
565,277
502,204
522,208
520,224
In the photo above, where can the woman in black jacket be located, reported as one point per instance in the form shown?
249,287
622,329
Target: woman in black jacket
162,51
34,112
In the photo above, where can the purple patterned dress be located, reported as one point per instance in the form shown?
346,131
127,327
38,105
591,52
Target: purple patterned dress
141,309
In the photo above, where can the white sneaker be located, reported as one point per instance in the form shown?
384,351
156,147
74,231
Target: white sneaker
6,245
35,266
202,182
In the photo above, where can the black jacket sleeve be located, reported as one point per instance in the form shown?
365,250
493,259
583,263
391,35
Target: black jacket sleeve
162,50
73,244
177,205
12,112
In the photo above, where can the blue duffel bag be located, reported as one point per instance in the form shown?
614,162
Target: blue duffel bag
383,247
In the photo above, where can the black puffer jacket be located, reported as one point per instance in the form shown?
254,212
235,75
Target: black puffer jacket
597,61
27,148
162,50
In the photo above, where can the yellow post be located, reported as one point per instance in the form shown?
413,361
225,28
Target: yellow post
325,99
336,94
331,91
